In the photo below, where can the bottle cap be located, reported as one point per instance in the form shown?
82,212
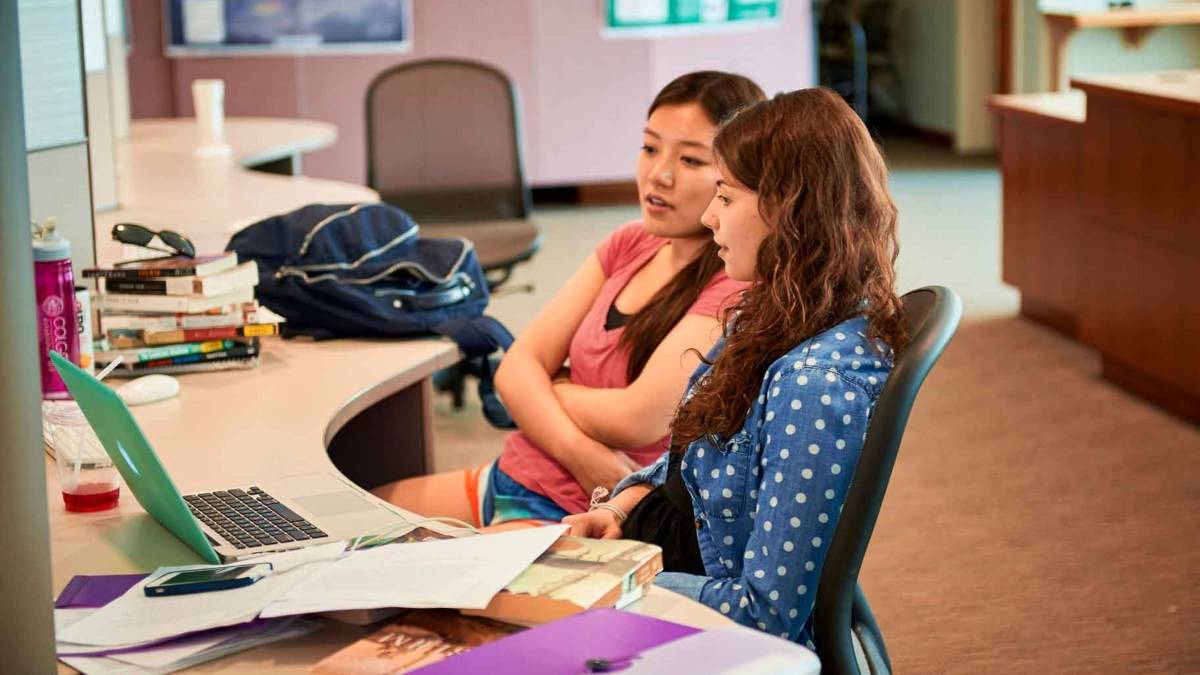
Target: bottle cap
51,250
47,245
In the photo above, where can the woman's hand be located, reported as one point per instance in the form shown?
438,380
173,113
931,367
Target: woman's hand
598,524
598,466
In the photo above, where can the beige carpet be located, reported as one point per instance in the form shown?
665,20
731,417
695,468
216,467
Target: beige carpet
1039,520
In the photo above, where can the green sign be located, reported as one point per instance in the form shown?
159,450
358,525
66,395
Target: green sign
623,14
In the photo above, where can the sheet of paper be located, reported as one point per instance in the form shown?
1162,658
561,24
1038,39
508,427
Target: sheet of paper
103,666
181,655
455,573
71,616
175,656
134,619
736,650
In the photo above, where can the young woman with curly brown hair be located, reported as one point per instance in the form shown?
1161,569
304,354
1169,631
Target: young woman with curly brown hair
766,441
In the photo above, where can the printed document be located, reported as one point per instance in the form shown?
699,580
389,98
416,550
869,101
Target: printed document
459,573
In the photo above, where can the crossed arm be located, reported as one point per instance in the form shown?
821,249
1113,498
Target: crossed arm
579,426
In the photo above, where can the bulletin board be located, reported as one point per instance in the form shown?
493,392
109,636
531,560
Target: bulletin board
634,18
265,27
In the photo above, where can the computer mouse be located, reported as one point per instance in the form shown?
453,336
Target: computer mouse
148,389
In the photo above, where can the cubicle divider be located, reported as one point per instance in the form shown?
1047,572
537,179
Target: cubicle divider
26,623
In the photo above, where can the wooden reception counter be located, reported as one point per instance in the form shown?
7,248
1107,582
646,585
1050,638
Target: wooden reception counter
1102,223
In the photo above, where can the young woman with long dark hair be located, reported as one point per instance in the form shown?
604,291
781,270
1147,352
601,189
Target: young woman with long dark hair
631,321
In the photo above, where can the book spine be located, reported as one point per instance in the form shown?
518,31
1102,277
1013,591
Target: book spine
165,267
233,352
142,303
135,274
204,367
141,286
200,334
231,281
144,354
188,349
111,322
186,304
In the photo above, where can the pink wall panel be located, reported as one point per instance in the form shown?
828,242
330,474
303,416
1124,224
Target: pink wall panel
151,80
258,87
583,97
336,86
590,97
778,56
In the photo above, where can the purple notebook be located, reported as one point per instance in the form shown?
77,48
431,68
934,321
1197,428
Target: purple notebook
610,636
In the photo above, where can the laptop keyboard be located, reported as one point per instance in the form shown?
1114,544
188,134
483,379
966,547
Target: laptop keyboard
251,518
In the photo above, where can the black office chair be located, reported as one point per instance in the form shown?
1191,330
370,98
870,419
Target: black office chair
444,144
842,51
841,616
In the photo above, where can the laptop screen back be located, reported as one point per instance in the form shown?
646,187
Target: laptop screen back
134,458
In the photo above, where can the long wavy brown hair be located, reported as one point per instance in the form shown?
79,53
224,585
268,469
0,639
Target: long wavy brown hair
822,188
720,95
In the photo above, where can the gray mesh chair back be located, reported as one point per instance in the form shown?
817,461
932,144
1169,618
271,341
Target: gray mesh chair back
841,615
443,142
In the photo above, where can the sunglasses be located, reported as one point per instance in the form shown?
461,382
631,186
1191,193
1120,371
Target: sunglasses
140,235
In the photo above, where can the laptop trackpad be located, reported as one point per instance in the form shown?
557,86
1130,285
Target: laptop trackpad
333,504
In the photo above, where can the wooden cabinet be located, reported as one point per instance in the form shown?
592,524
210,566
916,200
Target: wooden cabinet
1140,192
1041,139
1102,224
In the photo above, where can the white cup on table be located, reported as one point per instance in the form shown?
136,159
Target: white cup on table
208,101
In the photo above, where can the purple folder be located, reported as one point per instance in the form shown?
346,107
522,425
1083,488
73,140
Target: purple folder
99,590
598,636
95,591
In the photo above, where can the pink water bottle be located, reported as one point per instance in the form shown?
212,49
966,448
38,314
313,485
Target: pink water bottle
55,288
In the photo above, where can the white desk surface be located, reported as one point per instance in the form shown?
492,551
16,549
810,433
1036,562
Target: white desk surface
230,428
1067,106
162,183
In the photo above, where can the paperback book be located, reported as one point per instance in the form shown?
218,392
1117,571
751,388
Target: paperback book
415,640
172,266
576,574
244,363
230,315
134,356
242,276
167,337
239,352
184,304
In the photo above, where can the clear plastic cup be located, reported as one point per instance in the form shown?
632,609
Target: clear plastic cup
88,479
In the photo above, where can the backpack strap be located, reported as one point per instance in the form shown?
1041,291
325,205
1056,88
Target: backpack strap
478,339
479,336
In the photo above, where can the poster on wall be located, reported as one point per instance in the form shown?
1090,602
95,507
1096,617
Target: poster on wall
241,27
642,18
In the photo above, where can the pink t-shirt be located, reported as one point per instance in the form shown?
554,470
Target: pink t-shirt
599,361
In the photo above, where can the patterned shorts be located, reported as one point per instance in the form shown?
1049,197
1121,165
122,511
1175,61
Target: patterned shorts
496,498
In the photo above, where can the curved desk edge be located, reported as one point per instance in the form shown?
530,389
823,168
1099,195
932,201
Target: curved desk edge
376,393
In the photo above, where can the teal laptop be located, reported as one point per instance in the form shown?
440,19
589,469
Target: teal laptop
131,453
229,524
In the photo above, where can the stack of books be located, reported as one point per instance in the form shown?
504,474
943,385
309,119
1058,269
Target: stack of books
180,315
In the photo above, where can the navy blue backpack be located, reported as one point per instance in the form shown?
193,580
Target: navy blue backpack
362,270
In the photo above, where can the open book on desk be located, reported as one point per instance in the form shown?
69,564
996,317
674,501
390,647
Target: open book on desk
417,638
575,575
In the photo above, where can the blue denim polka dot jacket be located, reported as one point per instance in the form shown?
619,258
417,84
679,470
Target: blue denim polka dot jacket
767,499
